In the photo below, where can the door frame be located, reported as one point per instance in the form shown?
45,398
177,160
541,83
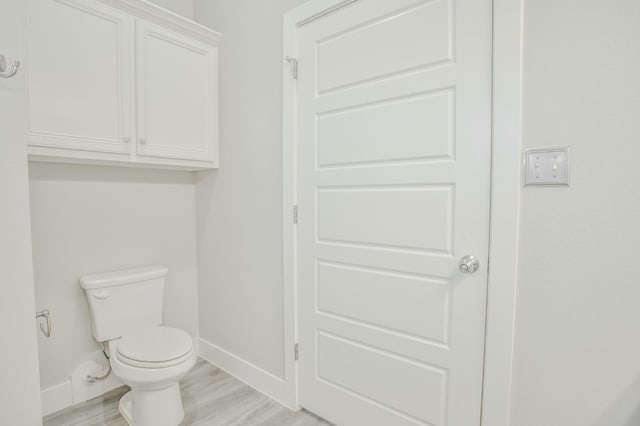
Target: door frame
506,186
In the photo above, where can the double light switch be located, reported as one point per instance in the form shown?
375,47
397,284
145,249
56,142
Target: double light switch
546,166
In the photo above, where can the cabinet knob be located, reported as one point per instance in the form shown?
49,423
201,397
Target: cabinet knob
126,139
143,141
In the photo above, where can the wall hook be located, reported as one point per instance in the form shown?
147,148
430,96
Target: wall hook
45,314
3,68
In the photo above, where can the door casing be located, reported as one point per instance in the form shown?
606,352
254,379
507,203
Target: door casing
505,201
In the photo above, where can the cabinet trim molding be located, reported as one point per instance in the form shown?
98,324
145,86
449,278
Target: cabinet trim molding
166,18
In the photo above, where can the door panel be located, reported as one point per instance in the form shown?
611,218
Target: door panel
382,377
402,303
363,134
369,216
394,119
392,41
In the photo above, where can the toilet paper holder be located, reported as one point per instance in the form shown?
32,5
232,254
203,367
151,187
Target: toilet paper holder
45,330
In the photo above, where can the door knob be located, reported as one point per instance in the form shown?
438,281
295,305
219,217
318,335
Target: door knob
469,264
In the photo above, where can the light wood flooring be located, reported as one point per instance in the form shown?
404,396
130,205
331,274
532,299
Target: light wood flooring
210,397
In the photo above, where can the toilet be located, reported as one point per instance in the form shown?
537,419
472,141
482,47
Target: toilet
126,315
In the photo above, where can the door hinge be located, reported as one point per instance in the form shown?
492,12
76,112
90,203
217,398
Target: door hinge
295,215
296,352
293,62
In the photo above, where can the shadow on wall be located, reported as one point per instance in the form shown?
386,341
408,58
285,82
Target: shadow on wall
91,173
625,411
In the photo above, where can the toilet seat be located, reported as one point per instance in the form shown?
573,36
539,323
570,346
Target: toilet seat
155,347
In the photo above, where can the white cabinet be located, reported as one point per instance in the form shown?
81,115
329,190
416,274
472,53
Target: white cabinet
79,76
120,82
175,120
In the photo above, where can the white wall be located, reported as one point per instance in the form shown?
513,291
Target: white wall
578,317
88,219
240,206
19,388
181,7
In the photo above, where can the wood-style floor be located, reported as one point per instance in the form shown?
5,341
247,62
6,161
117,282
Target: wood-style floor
210,397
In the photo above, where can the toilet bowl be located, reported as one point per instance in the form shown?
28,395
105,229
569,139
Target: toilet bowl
126,313
151,361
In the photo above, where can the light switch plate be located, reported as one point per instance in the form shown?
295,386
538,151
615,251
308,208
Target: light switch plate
549,166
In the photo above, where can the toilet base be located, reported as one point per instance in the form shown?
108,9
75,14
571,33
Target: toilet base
152,408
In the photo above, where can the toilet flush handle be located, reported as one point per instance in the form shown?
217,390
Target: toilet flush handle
102,295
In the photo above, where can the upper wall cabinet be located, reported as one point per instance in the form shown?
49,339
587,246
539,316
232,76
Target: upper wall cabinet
120,82
176,92
79,76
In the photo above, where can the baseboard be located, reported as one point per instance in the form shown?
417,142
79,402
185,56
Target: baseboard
56,398
251,374
61,396
77,389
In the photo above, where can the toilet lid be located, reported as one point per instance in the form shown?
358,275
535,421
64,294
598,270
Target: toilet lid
155,344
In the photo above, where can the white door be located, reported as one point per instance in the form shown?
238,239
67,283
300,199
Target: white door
79,76
394,138
176,86
20,383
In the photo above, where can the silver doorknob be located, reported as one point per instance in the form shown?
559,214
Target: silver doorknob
468,264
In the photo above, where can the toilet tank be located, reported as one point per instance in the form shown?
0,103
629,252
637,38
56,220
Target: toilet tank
124,301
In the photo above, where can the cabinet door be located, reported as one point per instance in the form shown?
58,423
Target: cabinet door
80,71
176,95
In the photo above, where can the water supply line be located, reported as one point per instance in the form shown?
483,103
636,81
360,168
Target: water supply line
93,379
